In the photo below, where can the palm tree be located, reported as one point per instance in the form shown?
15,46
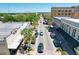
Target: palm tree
28,34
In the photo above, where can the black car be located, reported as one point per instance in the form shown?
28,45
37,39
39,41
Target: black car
57,43
49,29
40,48
36,33
46,23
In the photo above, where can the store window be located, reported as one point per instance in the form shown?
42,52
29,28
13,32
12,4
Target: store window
69,29
63,26
78,37
73,32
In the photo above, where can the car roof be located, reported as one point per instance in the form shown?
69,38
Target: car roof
40,43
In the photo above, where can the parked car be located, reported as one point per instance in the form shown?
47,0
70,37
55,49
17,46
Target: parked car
33,40
40,48
49,29
36,30
52,35
57,43
36,33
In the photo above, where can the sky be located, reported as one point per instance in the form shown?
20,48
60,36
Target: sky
31,7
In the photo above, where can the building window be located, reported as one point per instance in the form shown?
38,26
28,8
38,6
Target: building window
62,14
65,27
62,10
65,13
58,13
69,14
54,14
69,29
73,32
59,10
65,10
62,26
55,11
69,10
78,37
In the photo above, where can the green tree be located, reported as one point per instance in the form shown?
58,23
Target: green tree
7,18
28,33
48,18
20,17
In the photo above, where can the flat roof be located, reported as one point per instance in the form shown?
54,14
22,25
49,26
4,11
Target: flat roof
16,43
69,20
6,28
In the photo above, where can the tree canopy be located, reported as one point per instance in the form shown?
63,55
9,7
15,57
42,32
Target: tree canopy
48,18
32,17
28,34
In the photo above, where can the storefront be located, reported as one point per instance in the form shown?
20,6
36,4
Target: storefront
14,47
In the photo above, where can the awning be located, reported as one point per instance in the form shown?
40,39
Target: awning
15,44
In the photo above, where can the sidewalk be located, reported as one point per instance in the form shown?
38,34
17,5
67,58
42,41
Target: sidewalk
51,39
51,51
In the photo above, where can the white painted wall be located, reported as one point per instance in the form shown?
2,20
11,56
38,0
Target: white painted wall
13,38
72,25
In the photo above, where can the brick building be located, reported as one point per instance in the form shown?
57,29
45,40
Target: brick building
65,11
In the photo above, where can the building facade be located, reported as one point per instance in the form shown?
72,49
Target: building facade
69,25
65,12
10,36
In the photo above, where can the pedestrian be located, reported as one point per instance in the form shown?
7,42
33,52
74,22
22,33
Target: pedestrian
24,47
21,49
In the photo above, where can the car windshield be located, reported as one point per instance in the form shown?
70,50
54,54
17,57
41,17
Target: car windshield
40,47
41,32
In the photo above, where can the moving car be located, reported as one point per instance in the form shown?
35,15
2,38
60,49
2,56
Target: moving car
41,33
45,23
36,33
40,48
33,41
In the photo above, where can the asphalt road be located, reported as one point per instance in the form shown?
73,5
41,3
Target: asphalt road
49,48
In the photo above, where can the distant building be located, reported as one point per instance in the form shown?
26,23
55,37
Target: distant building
10,36
65,11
